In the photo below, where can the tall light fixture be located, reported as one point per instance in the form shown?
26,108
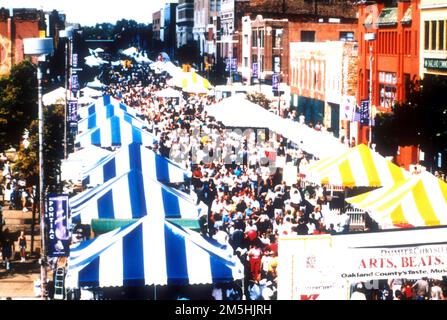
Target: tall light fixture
40,47
369,38
67,34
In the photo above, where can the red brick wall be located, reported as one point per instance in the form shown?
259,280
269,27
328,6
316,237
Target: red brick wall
12,33
323,31
391,54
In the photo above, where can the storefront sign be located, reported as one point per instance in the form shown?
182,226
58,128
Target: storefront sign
438,64
56,222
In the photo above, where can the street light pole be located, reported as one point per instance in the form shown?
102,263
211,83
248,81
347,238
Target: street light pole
40,47
369,38
67,34
43,269
370,92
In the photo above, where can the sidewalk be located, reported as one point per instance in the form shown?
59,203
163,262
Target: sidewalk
18,283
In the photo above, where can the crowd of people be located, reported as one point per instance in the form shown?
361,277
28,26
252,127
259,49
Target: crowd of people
250,205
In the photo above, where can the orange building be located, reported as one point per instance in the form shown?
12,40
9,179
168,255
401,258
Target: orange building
392,38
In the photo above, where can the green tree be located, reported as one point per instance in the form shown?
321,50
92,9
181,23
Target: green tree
260,99
18,103
27,164
421,120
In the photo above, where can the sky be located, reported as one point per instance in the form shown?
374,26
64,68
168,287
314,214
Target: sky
90,12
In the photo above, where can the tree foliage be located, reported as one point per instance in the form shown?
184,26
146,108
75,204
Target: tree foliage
260,99
18,103
421,120
27,164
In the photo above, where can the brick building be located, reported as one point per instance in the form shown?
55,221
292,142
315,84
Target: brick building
323,78
433,48
395,51
24,23
266,42
156,25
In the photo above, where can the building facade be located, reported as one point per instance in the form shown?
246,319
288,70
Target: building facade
206,13
24,23
392,30
266,41
323,81
169,27
185,22
156,25
433,48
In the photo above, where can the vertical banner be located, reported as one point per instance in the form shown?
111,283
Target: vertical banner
74,61
255,70
364,112
347,109
56,223
73,113
74,84
234,64
275,82
227,65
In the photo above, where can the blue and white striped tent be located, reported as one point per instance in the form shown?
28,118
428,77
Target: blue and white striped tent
130,196
135,157
99,107
114,132
150,251
94,120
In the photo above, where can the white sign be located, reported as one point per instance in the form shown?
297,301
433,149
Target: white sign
324,266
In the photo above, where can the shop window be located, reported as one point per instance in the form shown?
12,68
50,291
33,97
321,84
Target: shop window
387,89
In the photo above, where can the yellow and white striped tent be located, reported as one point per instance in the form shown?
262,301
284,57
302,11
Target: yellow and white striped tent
358,167
187,80
416,202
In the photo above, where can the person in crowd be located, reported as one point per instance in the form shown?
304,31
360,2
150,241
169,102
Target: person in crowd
22,246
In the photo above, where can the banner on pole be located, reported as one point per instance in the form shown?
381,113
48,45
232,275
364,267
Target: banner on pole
255,70
74,83
56,221
74,60
364,112
275,82
73,113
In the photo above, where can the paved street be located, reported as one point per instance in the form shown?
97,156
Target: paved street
19,282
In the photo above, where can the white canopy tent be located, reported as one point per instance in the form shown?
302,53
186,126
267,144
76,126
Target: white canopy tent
236,111
77,162
54,97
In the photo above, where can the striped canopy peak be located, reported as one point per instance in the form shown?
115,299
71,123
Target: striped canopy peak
418,201
151,251
358,167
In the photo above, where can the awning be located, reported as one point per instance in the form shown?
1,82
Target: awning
358,167
150,252
114,132
135,157
388,17
132,195
416,202
408,15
